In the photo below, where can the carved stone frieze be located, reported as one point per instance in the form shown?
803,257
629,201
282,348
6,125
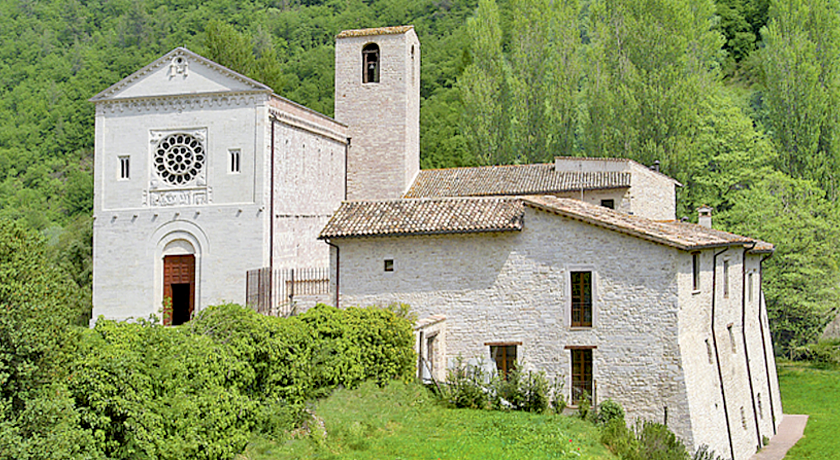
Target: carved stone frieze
188,197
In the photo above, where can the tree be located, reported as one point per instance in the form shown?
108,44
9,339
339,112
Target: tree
36,312
650,64
802,279
800,61
484,87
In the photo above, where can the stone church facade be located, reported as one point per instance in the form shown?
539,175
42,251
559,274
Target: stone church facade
576,267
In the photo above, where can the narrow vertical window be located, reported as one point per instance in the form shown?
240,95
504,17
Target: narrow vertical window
725,279
750,287
695,270
125,164
581,299
504,355
234,160
389,265
370,63
581,375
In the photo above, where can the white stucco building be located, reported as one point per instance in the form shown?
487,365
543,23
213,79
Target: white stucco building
575,267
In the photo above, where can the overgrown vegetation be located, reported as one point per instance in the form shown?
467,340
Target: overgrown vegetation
140,390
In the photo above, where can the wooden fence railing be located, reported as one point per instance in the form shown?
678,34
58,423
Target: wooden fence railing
275,295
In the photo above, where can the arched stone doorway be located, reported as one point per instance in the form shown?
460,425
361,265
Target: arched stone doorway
179,284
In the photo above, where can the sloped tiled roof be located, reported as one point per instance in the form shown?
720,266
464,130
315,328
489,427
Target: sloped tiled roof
677,234
424,217
532,179
375,31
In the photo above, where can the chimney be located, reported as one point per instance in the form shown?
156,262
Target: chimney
704,216
655,166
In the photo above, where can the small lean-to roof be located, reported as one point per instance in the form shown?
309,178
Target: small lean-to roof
424,217
531,179
681,235
374,31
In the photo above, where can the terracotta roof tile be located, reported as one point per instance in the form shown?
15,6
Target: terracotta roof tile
424,217
681,235
375,31
533,179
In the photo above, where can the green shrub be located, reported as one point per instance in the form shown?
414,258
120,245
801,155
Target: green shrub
703,453
824,354
519,390
649,441
610,410
584,406
466,386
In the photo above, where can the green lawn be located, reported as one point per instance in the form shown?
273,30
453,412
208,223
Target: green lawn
816,392
404,422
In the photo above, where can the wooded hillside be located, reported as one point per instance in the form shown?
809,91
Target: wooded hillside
737,99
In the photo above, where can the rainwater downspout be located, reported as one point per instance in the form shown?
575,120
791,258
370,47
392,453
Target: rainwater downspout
763,342
717,354
346,169
271,223
337,270
744,336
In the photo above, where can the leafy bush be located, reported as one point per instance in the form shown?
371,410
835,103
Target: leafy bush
825,353
520,390
202,389
649,441
466,386
584,406
610,410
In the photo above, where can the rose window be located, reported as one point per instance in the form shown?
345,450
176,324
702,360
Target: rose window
179,158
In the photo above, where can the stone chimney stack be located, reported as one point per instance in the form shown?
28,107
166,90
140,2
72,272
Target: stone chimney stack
704,216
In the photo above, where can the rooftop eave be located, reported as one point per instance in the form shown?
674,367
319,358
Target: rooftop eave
426,233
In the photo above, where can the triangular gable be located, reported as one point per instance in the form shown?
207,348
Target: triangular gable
180,72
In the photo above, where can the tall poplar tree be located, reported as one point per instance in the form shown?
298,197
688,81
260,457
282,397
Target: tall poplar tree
483,87
800,60
649,65
545,76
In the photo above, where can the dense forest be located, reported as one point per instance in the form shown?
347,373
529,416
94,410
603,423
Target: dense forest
737,99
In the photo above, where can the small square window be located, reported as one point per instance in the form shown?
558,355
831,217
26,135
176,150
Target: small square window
234,160
389,265
125,164
608,204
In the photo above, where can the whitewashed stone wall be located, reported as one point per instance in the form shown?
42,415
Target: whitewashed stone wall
383,118
703,349
652,195
513,287
310,150
132,229
224,220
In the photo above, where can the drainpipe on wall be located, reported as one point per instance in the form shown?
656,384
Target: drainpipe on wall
744,336
337,270
346,157
764,343
717,354
271,223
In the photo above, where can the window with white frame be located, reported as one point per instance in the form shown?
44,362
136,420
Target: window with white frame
234,160
125,167
581,294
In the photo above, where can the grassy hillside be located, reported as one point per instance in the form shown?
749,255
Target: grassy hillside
816,392
404,421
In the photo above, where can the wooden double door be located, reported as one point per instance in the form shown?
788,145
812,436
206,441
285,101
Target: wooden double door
178,289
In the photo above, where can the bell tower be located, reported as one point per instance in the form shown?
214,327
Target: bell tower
377,94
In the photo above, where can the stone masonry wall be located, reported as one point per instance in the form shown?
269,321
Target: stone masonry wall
383,117
513,287
653,195
736,337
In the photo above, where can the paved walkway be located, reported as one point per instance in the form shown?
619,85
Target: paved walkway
790,431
